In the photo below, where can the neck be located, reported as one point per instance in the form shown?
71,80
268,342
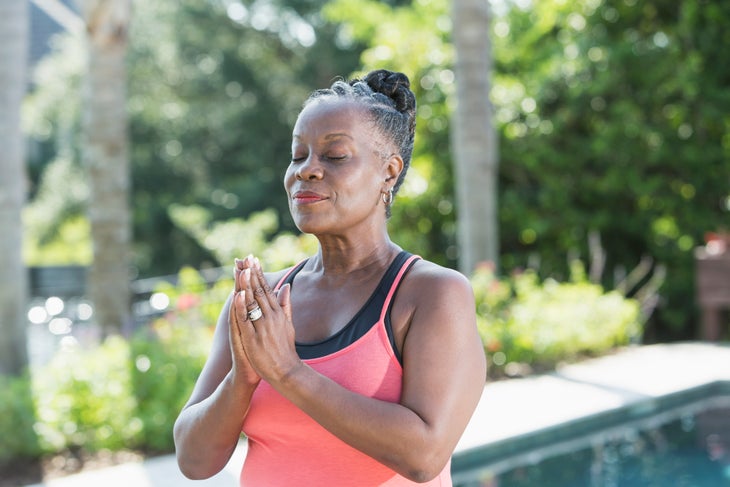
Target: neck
338,257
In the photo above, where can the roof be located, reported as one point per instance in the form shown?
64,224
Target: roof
46,19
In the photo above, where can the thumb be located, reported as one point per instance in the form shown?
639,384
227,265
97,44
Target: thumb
284,299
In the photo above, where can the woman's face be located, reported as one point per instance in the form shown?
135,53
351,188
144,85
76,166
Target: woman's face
337,173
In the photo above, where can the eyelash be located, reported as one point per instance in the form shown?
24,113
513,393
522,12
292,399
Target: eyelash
331,158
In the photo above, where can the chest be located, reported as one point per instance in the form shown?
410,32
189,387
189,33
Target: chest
320,311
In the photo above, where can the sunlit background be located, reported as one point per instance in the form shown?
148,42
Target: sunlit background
612,126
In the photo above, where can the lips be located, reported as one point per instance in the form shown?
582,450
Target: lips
307,197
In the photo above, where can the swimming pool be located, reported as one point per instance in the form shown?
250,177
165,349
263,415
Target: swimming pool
673,444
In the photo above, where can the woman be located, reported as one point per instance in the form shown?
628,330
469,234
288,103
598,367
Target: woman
362,365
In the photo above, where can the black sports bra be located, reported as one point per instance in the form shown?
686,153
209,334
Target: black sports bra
363,320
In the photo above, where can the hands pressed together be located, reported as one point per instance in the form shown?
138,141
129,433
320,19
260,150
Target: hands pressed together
262,342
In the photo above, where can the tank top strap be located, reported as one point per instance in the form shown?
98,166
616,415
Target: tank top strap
407,260
290,274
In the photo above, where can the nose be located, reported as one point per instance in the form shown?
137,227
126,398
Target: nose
309,169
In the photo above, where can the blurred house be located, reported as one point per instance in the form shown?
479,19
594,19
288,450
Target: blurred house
48,17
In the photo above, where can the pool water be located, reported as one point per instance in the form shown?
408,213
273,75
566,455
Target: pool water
692,450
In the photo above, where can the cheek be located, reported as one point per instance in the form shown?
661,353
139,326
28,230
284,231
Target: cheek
288,178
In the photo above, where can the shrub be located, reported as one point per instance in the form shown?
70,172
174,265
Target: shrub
84,399
167,357
120,395
167,360
17,418
525,321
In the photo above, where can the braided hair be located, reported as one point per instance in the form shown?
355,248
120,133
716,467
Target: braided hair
391,104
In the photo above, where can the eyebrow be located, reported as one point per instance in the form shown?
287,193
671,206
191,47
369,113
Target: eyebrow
332,136
337,135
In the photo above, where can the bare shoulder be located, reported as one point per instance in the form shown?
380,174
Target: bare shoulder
432,297
427,281
441,337
273,278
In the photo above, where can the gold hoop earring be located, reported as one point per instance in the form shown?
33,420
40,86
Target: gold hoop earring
388,197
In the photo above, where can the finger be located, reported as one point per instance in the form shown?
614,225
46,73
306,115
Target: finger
236,274
264,299
247,286
240,308
238,266
242,280
241,311
261,289
244,285
283,297
246,327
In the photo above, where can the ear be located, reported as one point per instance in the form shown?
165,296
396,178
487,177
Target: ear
393,168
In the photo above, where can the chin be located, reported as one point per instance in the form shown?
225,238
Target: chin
307,224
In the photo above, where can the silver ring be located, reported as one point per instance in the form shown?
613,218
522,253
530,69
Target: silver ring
255,314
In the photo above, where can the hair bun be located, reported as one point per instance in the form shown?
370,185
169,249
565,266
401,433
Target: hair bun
395,86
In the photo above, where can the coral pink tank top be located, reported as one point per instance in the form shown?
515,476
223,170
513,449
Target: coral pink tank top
288,448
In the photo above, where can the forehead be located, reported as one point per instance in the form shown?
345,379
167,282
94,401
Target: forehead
327,116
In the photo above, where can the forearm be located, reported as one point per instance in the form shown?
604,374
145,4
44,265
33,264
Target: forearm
391,433
206,433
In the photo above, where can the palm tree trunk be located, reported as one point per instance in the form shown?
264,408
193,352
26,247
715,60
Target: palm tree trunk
474,140
13,276
106,157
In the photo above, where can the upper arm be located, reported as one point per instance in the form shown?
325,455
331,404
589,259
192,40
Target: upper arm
444,367
218,363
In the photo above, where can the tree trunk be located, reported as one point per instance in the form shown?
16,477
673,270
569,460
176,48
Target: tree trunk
106,158
13,276
474,140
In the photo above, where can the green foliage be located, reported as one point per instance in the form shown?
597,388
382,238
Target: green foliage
211,110
614,119
17,418
236,237
523,320
122,394
167,357
194,302
166,361
56,230
84,399
52,110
